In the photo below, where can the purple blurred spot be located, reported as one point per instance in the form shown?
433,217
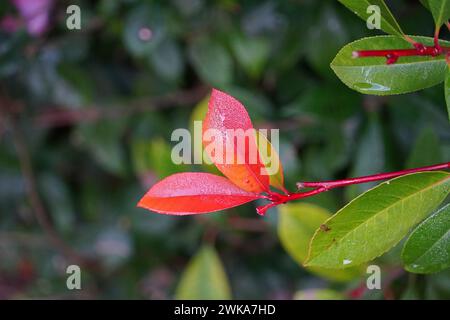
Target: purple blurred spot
35,14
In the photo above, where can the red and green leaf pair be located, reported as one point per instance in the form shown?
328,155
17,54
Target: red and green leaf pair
197,192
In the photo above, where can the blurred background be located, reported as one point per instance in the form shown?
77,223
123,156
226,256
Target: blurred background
85,123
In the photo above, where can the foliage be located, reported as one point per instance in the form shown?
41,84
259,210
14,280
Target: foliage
94,110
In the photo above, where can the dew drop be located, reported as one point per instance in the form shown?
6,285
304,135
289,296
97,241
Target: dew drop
367,86
346,261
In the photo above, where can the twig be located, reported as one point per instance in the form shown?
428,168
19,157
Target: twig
322,186
375,177
63,117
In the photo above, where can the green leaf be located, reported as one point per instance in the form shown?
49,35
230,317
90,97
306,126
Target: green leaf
251,53
427,250
447,92
388,22
371,75
327,38
426,150
425,4
211,62
369,158
375,221
204,278
440,9
318,294
102,140
167,60
297,223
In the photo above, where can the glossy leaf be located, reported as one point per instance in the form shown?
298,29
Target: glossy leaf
271,159
427,250
371,75
447,92
374,222
296,226
440,10
229,119
204,278
388,22
194,192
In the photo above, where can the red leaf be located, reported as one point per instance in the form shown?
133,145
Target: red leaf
194,192
224,113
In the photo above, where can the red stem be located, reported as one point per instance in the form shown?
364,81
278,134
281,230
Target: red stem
322,186
392,55
375,177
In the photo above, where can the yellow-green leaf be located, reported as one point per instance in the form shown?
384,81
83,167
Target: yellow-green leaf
318,294
296,227
271,160
198,114
204,278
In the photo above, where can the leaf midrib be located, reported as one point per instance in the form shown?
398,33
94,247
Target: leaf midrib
395,65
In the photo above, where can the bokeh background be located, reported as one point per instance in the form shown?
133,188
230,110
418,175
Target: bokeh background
85,123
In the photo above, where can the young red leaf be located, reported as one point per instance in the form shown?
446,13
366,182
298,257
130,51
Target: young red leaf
194,192
225,117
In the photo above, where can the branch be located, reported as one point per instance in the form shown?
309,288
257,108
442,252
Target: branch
322,186
375,177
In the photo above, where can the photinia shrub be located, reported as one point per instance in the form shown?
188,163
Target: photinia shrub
372,223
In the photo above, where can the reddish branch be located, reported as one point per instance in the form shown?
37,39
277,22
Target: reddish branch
322,186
